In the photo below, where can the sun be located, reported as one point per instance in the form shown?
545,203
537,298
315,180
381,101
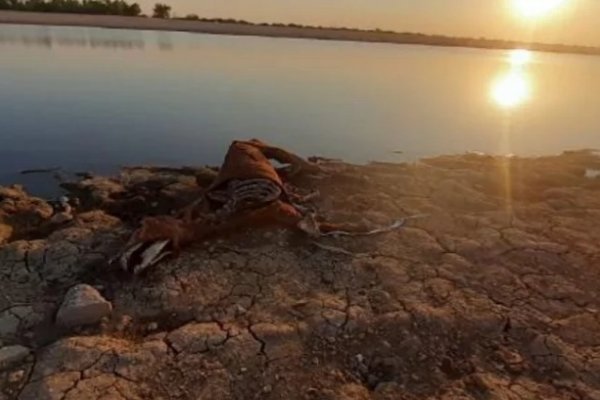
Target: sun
536,8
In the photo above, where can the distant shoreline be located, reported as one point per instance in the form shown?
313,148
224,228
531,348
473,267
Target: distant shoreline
279,30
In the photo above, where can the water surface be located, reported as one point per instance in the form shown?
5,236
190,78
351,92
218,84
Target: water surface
93,99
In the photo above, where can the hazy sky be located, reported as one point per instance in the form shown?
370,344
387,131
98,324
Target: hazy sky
578,21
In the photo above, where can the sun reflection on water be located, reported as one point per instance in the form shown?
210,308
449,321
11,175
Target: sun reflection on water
520,57
513,87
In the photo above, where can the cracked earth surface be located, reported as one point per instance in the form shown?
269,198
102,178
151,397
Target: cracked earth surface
493,296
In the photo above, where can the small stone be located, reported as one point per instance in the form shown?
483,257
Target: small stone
315,361
16,376
331,339
82,305
243,369
152,326
61,217
360,358
124,322
239,310
267,388
12,354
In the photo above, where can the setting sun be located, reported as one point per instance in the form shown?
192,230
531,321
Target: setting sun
536,8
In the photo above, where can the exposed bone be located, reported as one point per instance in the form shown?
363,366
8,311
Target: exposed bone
124,258
150,256
384,229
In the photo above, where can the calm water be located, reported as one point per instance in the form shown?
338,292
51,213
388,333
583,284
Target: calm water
92,99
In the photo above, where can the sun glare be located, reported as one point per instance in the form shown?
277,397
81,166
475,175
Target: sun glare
536,8
511,89
520,57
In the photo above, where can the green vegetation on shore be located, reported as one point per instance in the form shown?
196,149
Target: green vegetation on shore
99,7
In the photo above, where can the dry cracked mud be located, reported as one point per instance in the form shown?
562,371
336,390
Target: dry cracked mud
494,295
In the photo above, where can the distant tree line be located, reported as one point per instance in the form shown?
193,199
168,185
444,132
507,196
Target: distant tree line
195,17
161,10
103,7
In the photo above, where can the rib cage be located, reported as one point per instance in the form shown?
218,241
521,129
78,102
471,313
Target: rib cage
248,193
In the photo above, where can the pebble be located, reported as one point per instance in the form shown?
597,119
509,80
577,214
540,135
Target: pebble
239,310
267,388
16,376
152,326
124,322
61,217
82,305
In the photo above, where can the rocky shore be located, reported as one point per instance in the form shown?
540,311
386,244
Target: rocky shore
494,295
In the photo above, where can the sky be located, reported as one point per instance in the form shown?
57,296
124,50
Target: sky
574,22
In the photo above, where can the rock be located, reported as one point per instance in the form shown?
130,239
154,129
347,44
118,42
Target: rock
152,326
82,305
5,232
16,376
20,211
12,354
11,192
124,322
61,218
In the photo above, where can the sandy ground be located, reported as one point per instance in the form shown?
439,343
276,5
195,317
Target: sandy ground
493,296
